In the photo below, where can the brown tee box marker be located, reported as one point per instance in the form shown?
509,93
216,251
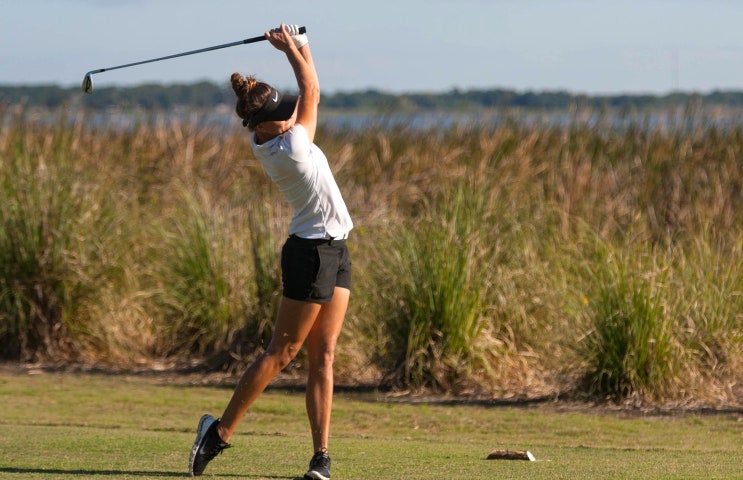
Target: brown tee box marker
511,455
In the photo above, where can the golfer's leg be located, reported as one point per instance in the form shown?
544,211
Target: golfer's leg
321,349
293,323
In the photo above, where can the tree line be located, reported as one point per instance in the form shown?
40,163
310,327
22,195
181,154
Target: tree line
209,95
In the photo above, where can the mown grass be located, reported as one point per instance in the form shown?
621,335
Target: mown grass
101,426
498,260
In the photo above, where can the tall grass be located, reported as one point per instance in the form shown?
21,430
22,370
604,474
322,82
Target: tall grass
219,279
203,279
709,310
55,228
502,260
629,348
433,309
265,242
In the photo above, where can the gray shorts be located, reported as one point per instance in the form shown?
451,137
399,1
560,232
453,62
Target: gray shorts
312,268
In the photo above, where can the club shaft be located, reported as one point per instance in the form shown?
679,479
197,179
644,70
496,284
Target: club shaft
192,52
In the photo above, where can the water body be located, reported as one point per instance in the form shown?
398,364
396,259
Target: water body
671,120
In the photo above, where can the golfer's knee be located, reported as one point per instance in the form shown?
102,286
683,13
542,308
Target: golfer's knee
323,357
282,355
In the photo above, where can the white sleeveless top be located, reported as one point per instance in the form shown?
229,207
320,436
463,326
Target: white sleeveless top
301,172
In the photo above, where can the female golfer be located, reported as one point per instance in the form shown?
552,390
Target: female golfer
316,270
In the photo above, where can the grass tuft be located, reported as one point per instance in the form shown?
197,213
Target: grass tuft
630,348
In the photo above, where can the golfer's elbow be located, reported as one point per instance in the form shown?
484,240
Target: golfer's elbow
311,92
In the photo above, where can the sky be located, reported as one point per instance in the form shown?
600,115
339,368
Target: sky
397,46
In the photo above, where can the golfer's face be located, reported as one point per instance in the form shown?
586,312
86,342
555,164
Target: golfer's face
277,127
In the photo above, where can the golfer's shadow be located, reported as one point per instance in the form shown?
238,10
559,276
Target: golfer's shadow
53,472
89,472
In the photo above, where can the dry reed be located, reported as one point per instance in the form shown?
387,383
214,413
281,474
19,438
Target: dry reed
540,200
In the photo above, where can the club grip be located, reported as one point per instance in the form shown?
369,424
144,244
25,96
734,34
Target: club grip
262,37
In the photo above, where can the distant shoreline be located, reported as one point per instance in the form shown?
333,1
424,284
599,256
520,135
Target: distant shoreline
671,119
158,97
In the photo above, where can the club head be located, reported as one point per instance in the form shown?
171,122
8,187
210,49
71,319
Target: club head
88,83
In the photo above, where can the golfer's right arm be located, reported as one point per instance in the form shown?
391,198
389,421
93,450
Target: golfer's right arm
306,75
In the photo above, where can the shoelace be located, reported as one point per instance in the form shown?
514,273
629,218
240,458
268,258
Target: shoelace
210,453
320,459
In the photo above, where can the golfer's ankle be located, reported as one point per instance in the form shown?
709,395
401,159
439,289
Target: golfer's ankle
224,435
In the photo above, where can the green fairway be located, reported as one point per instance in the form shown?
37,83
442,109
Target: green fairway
105,426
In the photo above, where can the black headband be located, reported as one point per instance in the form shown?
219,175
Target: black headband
277,107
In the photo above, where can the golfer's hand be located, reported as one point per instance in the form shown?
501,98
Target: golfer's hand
300,39
280,38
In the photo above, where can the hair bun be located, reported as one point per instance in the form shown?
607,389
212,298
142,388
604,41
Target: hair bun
239,85
242,85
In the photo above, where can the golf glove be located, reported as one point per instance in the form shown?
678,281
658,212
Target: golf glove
300,39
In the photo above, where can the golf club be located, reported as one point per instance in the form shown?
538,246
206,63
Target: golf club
87,86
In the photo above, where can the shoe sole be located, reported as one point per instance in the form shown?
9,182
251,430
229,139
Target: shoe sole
204,425
315,476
